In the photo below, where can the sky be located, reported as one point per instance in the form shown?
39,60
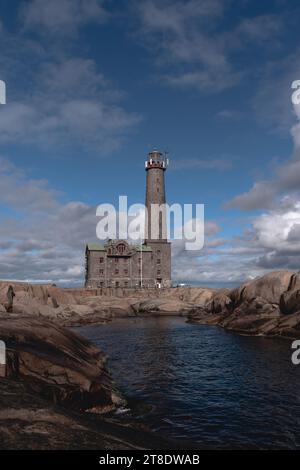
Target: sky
94,85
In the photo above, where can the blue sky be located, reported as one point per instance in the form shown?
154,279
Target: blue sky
93,85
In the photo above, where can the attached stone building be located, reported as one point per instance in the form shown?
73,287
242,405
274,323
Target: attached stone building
120,264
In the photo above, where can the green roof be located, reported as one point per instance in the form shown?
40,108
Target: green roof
144,248
95,247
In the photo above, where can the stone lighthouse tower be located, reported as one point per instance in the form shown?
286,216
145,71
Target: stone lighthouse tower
156,224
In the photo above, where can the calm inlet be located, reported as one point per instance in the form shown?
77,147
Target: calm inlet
204,384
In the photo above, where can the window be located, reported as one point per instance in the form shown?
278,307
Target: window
158,261
158,252
101,260
158,272
126,284
116,271
121,248
101,271
126,272
117,284
116,260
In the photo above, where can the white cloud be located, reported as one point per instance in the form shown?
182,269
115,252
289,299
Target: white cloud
62,17
272,241
72,105
274,228
192,42
41,238
276,190
21,193
260,28
229,114
295,131
177,31
56,100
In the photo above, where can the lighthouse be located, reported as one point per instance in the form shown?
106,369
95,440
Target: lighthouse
156,217
118,264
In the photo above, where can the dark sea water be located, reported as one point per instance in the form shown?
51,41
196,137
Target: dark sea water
204,384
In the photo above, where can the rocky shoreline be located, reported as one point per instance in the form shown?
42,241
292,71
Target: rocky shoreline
269,305
57,393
